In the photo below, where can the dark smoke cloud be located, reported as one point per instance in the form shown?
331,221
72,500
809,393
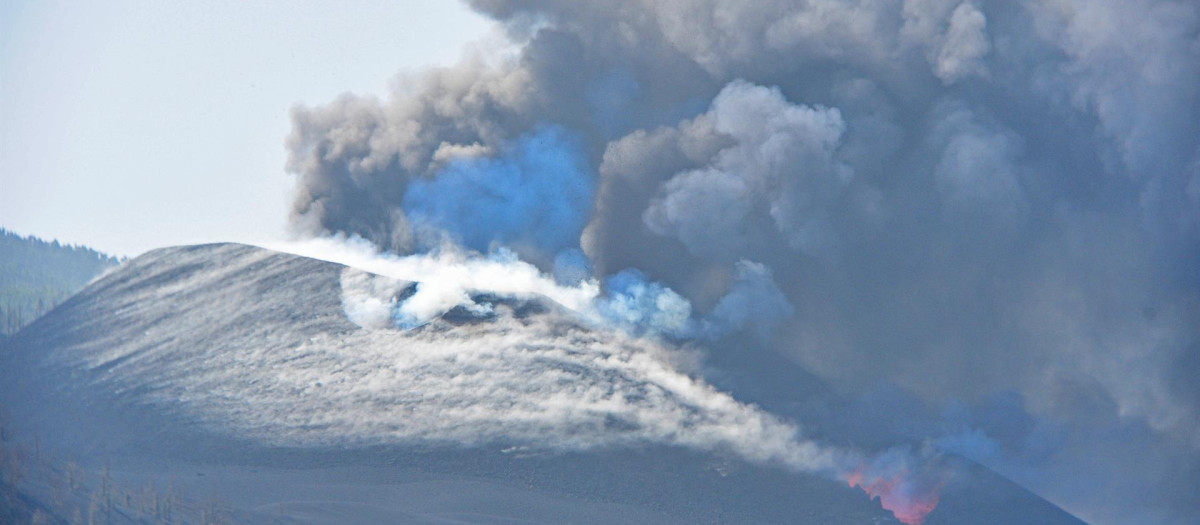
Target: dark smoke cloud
777,169
953,199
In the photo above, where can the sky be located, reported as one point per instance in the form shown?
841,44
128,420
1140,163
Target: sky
131,125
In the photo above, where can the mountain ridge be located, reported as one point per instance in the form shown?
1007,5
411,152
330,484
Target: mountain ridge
155,339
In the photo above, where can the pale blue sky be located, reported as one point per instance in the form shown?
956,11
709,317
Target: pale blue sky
128,125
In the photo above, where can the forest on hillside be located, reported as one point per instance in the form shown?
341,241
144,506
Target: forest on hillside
36,275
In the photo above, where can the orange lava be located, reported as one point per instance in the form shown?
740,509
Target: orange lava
910,505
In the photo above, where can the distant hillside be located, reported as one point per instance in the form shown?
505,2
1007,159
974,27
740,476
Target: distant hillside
36,275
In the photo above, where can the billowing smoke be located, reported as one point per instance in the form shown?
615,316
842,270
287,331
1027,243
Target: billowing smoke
776,168
953,200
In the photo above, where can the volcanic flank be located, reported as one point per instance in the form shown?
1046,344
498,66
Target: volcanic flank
277,383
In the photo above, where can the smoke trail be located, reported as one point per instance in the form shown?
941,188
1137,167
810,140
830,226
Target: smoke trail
544,385
449,276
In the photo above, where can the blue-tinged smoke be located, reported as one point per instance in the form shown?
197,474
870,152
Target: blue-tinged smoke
536,193
753,301
571,267
640,306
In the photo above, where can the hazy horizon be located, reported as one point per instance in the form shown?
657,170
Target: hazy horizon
133,125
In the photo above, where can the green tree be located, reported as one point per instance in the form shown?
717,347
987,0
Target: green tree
36,275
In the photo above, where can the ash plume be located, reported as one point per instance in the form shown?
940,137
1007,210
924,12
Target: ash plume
958,199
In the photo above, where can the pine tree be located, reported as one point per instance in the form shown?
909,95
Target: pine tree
36,275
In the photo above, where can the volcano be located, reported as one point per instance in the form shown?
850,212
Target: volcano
254,377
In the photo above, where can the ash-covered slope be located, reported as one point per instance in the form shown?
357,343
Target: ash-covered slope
243,368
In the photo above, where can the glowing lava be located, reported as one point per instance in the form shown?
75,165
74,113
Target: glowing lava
909,500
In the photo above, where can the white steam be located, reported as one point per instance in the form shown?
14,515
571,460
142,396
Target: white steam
447,278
